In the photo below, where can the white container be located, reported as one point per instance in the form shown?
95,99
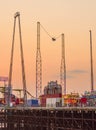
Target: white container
53,102
48,102
62,102
58,99
59,102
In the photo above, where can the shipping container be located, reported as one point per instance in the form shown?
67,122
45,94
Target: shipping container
42,100
83,100
62,102
53,102
32,103
54,96
48,102
92,96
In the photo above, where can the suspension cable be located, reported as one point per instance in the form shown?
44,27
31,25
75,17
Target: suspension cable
53,38
46,31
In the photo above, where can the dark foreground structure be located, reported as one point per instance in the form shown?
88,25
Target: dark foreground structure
48,119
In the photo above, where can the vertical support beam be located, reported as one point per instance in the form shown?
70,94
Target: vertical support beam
82,112
63,67
12,51
11,66
93,122
72,117
91,61
22,63
38,64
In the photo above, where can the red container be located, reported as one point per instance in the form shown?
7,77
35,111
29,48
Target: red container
44,97
53,95
43,100
83,100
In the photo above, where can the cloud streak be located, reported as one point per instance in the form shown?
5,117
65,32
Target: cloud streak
77,71
71,74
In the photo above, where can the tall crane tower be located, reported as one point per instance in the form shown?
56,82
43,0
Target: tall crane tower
91,61
38,64
63,67
39,60
17,15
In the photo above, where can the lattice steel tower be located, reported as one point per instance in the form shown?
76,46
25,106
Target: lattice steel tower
38,64
17,15
63,67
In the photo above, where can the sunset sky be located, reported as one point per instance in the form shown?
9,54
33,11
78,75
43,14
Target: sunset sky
74,18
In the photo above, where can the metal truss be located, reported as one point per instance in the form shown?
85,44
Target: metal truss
47,119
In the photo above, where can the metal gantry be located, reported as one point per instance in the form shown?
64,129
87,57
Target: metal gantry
17,15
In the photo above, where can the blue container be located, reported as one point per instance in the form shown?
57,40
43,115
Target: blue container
92,96
32,102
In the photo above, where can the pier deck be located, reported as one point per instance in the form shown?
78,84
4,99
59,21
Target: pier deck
72,118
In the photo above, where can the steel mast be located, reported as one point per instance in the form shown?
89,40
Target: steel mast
38,64
39,60
63,67
91,61
17,15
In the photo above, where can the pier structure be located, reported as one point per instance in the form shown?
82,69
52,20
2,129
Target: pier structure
48,118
